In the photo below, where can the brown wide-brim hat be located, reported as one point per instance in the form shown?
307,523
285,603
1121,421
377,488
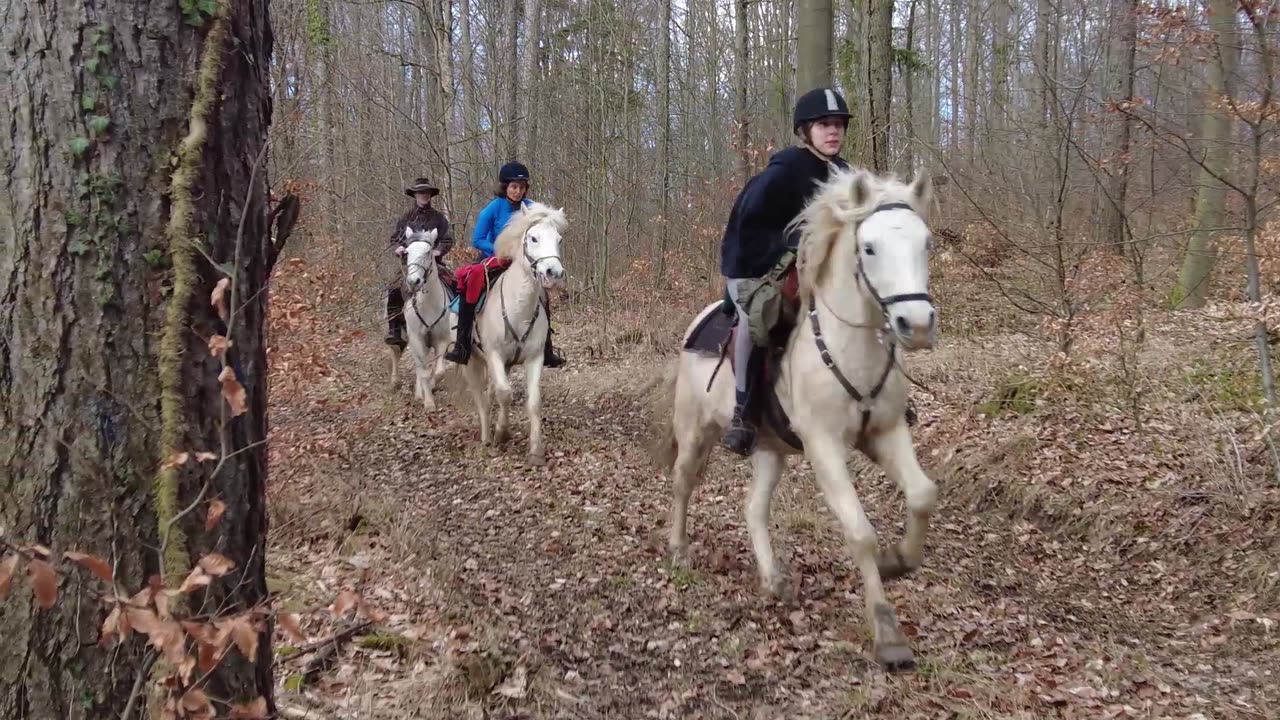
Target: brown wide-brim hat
421,185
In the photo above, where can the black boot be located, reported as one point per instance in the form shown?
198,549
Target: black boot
461,351
395,318
549,356
741,435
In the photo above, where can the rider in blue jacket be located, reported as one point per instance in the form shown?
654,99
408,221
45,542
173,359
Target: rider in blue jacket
511,195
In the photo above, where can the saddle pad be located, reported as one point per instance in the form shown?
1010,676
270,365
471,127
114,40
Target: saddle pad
709,336
456,300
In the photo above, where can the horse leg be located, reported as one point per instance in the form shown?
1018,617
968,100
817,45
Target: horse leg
500,385
424,386
533,403
768,470
476,383
686,474
893,452
827,454
395,365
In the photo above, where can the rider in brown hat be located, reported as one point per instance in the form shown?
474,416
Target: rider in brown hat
420,217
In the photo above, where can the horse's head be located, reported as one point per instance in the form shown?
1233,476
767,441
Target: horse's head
418,260
533,237
873,229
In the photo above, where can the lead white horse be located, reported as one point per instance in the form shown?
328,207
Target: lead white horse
511,328
428,321
863,277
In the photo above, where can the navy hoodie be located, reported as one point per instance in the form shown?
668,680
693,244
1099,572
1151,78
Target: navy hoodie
754,236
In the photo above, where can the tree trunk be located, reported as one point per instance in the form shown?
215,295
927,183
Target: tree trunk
740,107
105,365
528,65
512,108
1115,178
1003,50
814,26
853,65
909,86
880,78
1215,135
664,143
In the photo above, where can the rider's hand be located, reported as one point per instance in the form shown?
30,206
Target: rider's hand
400,249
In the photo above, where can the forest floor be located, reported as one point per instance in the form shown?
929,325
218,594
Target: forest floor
1077,566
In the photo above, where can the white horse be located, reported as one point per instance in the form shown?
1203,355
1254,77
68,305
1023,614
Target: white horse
428,321
863,278
512,326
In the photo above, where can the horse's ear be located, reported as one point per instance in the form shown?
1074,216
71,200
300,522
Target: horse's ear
922,192
860,188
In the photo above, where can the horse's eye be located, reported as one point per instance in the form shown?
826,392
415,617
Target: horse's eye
869,250
533,240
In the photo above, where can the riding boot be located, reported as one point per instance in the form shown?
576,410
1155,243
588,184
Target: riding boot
549,356
741,435
461,351
395,318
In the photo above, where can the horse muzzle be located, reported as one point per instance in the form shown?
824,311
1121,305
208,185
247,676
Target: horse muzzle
916,328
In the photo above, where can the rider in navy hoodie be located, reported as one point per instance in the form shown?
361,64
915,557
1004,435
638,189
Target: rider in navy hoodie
756,238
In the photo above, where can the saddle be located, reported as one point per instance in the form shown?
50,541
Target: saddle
715,336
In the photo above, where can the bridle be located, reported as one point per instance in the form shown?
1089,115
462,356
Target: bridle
429,271
883,330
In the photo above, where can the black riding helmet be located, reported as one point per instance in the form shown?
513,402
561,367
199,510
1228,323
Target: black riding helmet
817,104
513,172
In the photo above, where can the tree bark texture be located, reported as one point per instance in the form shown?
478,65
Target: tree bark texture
1215,134
1115,184
99,97
880,78
814,30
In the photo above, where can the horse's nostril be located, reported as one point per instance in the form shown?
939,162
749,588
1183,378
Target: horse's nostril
903,325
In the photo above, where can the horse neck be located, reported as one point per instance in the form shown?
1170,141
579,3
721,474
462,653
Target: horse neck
520,286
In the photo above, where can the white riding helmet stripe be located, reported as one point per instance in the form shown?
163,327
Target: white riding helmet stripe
831,101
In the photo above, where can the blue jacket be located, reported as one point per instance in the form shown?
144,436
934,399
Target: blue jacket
493,218
753,238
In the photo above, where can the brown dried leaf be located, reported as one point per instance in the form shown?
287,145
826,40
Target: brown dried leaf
7,567
44,582
218,345
233,391
370,612
196,704
116,625
165,635
207,657
187,667
217,564
216,509
735,677
176,460
219,297
95,565
197,578
245,636
289,622
345,601
252,710
40,550
162,603
206,456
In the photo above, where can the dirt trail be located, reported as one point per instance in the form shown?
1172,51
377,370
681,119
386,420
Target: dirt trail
515,591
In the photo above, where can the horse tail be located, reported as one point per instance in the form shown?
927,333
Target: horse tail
664,447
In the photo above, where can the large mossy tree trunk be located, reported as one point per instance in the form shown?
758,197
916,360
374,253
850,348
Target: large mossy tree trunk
132,143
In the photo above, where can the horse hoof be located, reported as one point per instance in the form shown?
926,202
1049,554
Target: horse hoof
892,565
538,460
777,587
895,658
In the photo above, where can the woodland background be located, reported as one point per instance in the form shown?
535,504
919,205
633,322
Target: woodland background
1099,413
